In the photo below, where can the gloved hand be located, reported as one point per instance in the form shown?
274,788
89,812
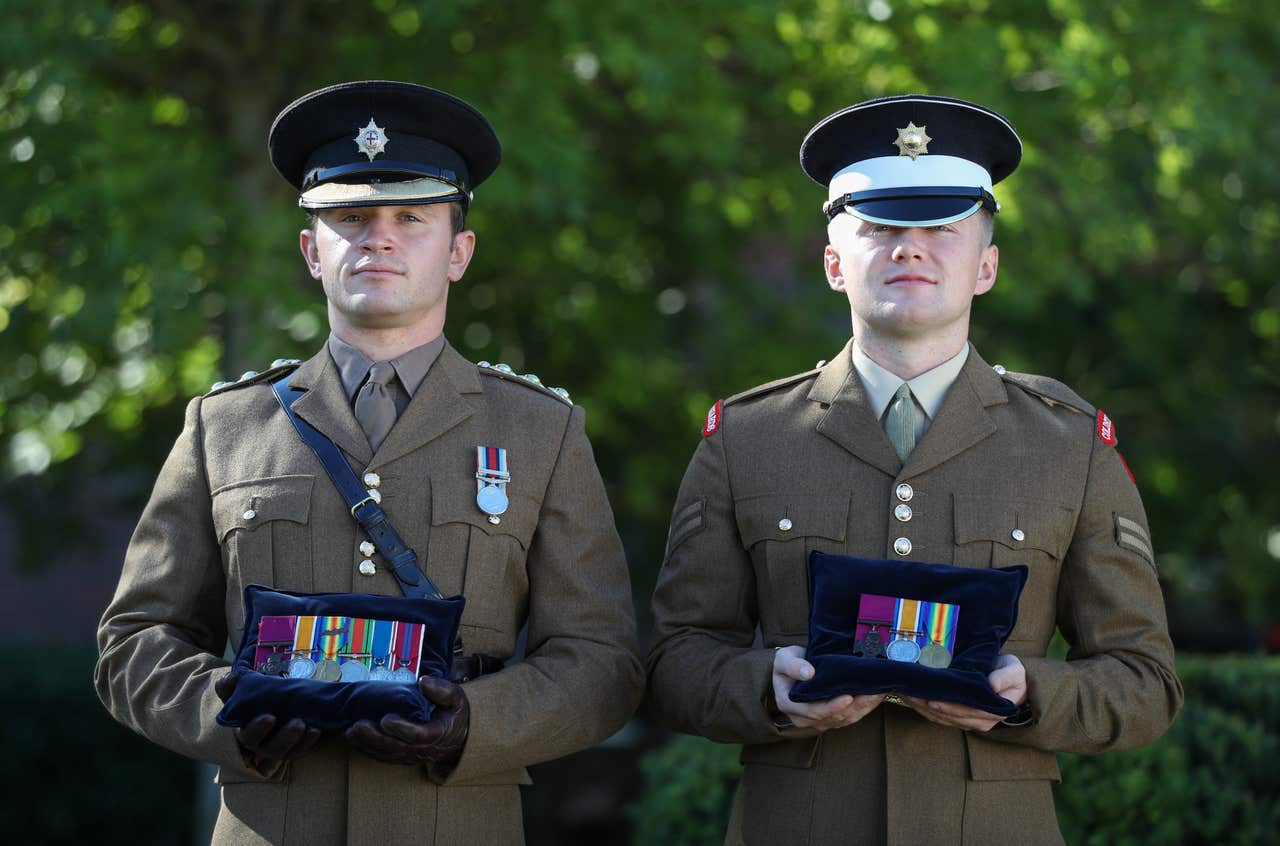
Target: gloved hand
266,748
437,743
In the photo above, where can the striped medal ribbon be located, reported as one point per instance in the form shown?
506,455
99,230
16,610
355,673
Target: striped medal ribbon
303,665
492,477
906,628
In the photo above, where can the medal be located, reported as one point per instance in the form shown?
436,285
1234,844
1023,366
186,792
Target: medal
491,481
936,656
871,646
903,650
327,671
354,671
404,674
301,668
380,672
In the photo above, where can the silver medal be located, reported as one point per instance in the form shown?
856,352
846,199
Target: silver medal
404,674
354,671
492,499
301,668
381,674
906,651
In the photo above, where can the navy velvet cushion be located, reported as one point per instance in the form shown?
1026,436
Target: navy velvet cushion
336,705
988,603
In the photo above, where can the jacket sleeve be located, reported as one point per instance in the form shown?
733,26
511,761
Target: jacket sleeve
1117,687
706,676
162,638
581,678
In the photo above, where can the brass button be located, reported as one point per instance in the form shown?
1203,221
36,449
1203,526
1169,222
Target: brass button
905,492
1018,535
372,480
903,513
367,568
250,514
902,546
367,548
785,524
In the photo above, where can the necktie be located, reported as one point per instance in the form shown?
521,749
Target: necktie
375,408
900,422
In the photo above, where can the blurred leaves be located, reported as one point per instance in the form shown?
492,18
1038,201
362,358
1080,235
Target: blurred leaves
649,241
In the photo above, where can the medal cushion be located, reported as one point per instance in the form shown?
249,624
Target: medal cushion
336,705
988,610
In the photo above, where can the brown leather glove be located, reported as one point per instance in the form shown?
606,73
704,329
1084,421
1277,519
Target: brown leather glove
437,743
265,747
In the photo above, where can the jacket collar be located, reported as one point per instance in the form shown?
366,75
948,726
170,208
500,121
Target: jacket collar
439,404
961,422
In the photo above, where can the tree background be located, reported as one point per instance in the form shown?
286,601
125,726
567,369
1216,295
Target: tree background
649,241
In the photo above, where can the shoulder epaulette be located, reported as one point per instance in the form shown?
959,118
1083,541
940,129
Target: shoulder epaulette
279,367
1051,391
529,380
758,390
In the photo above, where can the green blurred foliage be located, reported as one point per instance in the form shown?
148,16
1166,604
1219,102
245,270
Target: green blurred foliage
1210,780
649,241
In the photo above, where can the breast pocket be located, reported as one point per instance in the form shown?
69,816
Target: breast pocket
485,560
262,529
1030,533
780,530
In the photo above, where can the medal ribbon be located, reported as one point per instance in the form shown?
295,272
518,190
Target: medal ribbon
304,640
330,637
942,624
408,642
383,631
361,638
491,466
906,618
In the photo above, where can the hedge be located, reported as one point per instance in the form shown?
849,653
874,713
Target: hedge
1212,779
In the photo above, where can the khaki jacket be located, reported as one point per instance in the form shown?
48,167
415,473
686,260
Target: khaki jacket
1005,452
241,499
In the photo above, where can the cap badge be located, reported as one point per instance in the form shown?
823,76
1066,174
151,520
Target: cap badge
372,140
912,141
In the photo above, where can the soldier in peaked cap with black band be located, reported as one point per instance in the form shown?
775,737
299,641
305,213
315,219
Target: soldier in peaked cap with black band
485,472
908,446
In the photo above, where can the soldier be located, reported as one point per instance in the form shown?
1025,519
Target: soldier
386,172
908,446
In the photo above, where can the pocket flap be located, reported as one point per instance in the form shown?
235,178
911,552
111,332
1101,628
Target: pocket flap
1044,526
255,502
519,520
784,517
993,761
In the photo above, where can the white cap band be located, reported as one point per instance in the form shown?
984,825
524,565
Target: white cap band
905,172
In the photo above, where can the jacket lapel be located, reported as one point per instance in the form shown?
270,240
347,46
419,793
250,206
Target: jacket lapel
963,419
439,404
326,407
848,420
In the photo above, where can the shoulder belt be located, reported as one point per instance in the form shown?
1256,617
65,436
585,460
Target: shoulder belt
767,387
367,512
1051,391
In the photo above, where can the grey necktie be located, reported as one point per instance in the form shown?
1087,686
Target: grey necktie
900,422
375,407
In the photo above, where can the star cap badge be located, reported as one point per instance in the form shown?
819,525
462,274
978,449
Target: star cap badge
372,140
912,141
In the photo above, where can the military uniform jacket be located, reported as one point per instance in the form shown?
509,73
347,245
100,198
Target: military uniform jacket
1005,452
241,499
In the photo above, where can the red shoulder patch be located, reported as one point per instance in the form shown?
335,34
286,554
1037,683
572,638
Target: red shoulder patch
713,419
1106,429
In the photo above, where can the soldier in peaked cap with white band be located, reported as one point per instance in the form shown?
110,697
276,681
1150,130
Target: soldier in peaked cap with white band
908,446
487,474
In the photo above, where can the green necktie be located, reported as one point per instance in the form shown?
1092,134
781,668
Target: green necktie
375,408
900,422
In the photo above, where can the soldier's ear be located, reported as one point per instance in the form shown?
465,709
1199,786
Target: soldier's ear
310,252
988,264
831,264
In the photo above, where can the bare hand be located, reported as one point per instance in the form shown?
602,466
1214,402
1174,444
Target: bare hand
266,746
790,667
1008,679
440,740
